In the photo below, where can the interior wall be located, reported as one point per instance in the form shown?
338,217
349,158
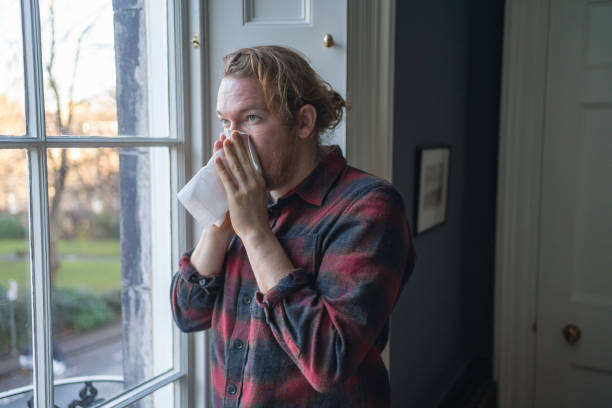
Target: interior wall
484,79
447,73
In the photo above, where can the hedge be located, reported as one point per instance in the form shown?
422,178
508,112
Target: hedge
10,227
74,309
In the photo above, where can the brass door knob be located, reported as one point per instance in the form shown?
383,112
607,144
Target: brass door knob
195,42
572,334
328,40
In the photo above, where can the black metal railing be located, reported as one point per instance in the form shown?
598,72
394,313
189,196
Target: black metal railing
88,395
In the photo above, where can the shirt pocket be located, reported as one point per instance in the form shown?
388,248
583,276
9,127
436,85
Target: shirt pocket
303,251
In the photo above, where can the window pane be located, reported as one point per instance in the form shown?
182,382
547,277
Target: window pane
162,398
12,88
67,391
15,309
105,67
111,262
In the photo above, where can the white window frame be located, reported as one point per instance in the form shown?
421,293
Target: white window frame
36,143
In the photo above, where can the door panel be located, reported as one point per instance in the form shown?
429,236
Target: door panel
575,276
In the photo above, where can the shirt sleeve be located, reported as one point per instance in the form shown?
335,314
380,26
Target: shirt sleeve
329,324
192,296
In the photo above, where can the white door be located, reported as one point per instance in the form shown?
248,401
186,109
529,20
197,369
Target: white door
575,277
299,24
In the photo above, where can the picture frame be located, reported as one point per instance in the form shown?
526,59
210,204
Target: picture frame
432,190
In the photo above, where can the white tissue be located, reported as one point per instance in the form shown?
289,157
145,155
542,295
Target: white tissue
204,196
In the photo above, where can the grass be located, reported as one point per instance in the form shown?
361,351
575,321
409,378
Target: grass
10,246
95,275
106,247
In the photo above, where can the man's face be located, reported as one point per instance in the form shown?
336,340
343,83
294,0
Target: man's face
241,106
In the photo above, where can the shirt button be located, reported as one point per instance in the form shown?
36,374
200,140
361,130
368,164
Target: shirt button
246,299
238,344
231,389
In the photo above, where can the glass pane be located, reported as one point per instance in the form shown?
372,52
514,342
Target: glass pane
110,263
105,67
15,305
68,391
12,88
162,398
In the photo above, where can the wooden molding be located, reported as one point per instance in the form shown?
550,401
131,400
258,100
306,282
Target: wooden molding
520,157
370,85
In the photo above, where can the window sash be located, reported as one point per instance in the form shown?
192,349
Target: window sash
39,210
19,142
36,144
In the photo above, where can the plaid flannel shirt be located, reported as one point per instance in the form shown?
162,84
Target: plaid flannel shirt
313,340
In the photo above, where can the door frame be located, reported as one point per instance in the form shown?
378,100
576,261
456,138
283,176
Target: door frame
522,123
370,85
370,88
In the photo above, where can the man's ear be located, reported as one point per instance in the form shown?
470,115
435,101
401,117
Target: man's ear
306,119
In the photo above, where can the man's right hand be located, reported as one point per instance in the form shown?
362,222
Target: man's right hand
225,230
207,257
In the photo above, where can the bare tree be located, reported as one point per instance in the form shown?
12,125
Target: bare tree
64,125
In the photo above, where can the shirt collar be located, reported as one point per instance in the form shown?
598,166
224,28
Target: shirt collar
317,184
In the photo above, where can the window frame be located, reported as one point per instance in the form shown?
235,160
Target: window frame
36,143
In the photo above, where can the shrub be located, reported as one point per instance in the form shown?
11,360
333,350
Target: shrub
10,227
99,226
80,310
113,300
23,327
74,309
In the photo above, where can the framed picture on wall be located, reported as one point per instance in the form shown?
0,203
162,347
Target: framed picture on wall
432,197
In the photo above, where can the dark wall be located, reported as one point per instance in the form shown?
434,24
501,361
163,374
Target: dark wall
447,90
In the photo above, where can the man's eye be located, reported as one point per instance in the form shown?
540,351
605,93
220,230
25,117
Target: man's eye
252,118
224,122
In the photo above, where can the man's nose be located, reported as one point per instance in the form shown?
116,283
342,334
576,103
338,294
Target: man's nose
233,125
229,130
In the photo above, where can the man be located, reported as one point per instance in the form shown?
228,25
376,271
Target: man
299,281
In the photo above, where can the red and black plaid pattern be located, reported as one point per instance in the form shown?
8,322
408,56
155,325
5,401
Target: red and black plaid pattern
314,340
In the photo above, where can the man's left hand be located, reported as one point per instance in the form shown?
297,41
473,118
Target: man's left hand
245,188
247,201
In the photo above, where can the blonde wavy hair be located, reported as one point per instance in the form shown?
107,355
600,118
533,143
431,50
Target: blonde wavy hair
288,83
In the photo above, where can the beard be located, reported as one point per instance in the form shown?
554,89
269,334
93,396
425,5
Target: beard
281,164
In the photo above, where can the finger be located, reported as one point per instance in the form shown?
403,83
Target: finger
229,184
219,143
242,151
218,146
248,148
235,166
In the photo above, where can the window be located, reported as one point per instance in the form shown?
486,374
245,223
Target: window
91,154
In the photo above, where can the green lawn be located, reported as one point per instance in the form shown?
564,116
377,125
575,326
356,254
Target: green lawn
10,246
99,276
77,247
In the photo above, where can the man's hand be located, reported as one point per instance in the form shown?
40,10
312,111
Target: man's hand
225,230
245,188
207,257
247,202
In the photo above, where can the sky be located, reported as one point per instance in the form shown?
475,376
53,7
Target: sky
94,80
96,69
